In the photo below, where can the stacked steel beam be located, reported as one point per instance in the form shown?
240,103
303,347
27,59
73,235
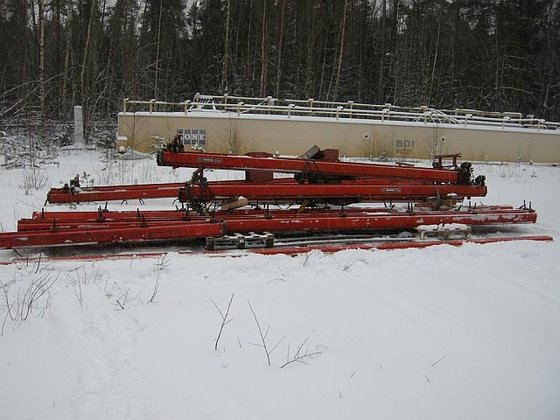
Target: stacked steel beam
321,188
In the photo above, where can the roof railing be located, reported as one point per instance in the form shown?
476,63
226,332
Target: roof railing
340,110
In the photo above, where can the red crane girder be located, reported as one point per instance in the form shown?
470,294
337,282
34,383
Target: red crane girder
320,176
308,166
109,235
117,192
369,189
270,221
355,192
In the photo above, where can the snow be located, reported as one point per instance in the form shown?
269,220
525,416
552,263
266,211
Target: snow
442,332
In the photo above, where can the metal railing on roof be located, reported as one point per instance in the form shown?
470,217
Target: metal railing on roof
341,110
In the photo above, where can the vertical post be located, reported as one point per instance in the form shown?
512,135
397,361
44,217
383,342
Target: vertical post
225,100
78,127
338,109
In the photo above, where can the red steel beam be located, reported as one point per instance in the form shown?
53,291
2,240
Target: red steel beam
119,192
30,225
109,235
34,226
132,192
109,215
60,220
261,221
54,220
391,245
128,186
155,215
294,165
375,222
298,192
171,190
286,250
198,229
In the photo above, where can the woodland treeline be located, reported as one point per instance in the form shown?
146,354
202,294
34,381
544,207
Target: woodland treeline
496,55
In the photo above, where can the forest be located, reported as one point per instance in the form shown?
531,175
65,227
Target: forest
494,55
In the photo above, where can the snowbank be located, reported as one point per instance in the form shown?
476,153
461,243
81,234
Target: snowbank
438,333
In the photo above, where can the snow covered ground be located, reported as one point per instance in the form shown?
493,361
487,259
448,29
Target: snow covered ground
437,333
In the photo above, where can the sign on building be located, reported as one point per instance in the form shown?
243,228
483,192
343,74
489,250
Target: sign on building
404,145
193,136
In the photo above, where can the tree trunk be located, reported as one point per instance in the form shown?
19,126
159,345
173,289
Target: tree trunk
430,102
382,52
264,67
280,47
340,52
42,67
84,75
158,42
226,50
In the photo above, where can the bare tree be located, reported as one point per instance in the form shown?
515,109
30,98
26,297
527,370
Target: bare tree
87,52
280,48
340,52
263,336
158,43
380,83
225,319
155,291
495,55
123,300
19,306
264,45
226,49
300,356
42,67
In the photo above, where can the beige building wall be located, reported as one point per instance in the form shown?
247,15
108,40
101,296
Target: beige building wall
225,132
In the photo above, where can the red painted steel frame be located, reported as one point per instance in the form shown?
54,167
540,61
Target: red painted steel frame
59,220
118,192
282,222
286,250
355,192
109,235
366,174
373,222
344,181
137,192
391,245
360,190
294,165
92,216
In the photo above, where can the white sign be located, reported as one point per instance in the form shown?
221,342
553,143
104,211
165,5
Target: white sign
192,136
